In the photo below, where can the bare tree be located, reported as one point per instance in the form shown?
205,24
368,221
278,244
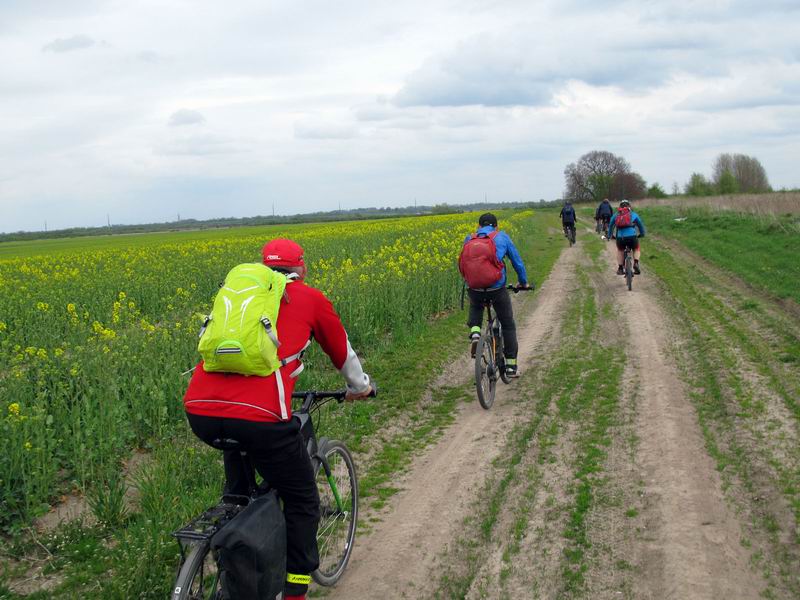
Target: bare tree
748,172
592,177
627,185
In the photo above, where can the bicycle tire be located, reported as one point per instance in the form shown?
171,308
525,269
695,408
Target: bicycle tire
187,585
485,383
330,527
629,273
499,357
572,236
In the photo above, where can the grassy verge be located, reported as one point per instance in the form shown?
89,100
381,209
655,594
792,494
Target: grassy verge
136,557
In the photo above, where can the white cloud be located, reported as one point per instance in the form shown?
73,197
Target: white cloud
310,103
185,116
76,42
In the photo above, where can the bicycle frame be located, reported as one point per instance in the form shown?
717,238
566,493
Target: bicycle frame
206,525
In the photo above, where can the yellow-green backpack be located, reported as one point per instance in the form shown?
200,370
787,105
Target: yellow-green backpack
240,334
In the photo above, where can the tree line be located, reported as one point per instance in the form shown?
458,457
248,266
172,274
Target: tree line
601,174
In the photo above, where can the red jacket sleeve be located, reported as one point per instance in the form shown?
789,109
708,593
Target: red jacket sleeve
329,331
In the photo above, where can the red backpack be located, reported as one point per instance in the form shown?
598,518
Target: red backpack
478,261
623,218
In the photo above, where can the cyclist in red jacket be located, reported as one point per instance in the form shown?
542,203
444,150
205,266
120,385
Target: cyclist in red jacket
250,410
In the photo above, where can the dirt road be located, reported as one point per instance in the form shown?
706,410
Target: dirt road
396,559
614,498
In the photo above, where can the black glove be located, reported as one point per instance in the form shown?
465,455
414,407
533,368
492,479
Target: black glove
641,235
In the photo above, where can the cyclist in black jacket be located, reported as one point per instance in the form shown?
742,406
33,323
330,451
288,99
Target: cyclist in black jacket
603,214
567,215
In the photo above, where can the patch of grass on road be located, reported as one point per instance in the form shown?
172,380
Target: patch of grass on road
577,391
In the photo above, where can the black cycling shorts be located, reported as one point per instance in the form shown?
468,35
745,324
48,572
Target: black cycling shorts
631,242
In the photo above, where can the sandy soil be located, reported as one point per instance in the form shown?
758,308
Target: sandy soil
397,559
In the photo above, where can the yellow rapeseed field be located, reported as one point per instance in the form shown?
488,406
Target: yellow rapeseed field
93,342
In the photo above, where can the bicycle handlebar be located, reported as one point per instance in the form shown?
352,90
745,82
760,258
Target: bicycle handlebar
517,289
311,396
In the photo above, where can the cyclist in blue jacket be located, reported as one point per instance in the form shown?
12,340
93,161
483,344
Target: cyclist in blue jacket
626,223
497,294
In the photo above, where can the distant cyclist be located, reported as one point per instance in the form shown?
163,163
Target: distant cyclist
567,215
603,214
481,264
626,223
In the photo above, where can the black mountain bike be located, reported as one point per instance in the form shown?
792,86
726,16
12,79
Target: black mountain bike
490,362
569,232
198,576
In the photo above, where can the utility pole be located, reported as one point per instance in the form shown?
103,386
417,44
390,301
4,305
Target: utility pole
273,209
108,220
45,225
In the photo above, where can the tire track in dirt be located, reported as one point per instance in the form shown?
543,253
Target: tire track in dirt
398,558
693,549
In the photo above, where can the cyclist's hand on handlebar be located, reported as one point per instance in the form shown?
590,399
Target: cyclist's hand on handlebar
641,235
371,392
525,286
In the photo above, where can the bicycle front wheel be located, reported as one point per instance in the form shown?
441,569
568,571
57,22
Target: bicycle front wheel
338,495
198,578
485,378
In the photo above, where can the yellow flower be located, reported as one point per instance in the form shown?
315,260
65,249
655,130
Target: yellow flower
2,326
28,445
58,352
13,409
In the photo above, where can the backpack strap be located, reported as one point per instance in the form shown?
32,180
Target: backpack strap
281,395
270,332
293,374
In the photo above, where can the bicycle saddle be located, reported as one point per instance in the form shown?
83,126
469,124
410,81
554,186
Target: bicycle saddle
226,444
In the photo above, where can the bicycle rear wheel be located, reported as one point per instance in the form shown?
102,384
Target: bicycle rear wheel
629,272
338,495
198,578
485,377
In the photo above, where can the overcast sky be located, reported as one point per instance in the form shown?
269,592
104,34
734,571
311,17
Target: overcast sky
149,109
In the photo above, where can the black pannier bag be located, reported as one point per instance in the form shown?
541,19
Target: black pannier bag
252,551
